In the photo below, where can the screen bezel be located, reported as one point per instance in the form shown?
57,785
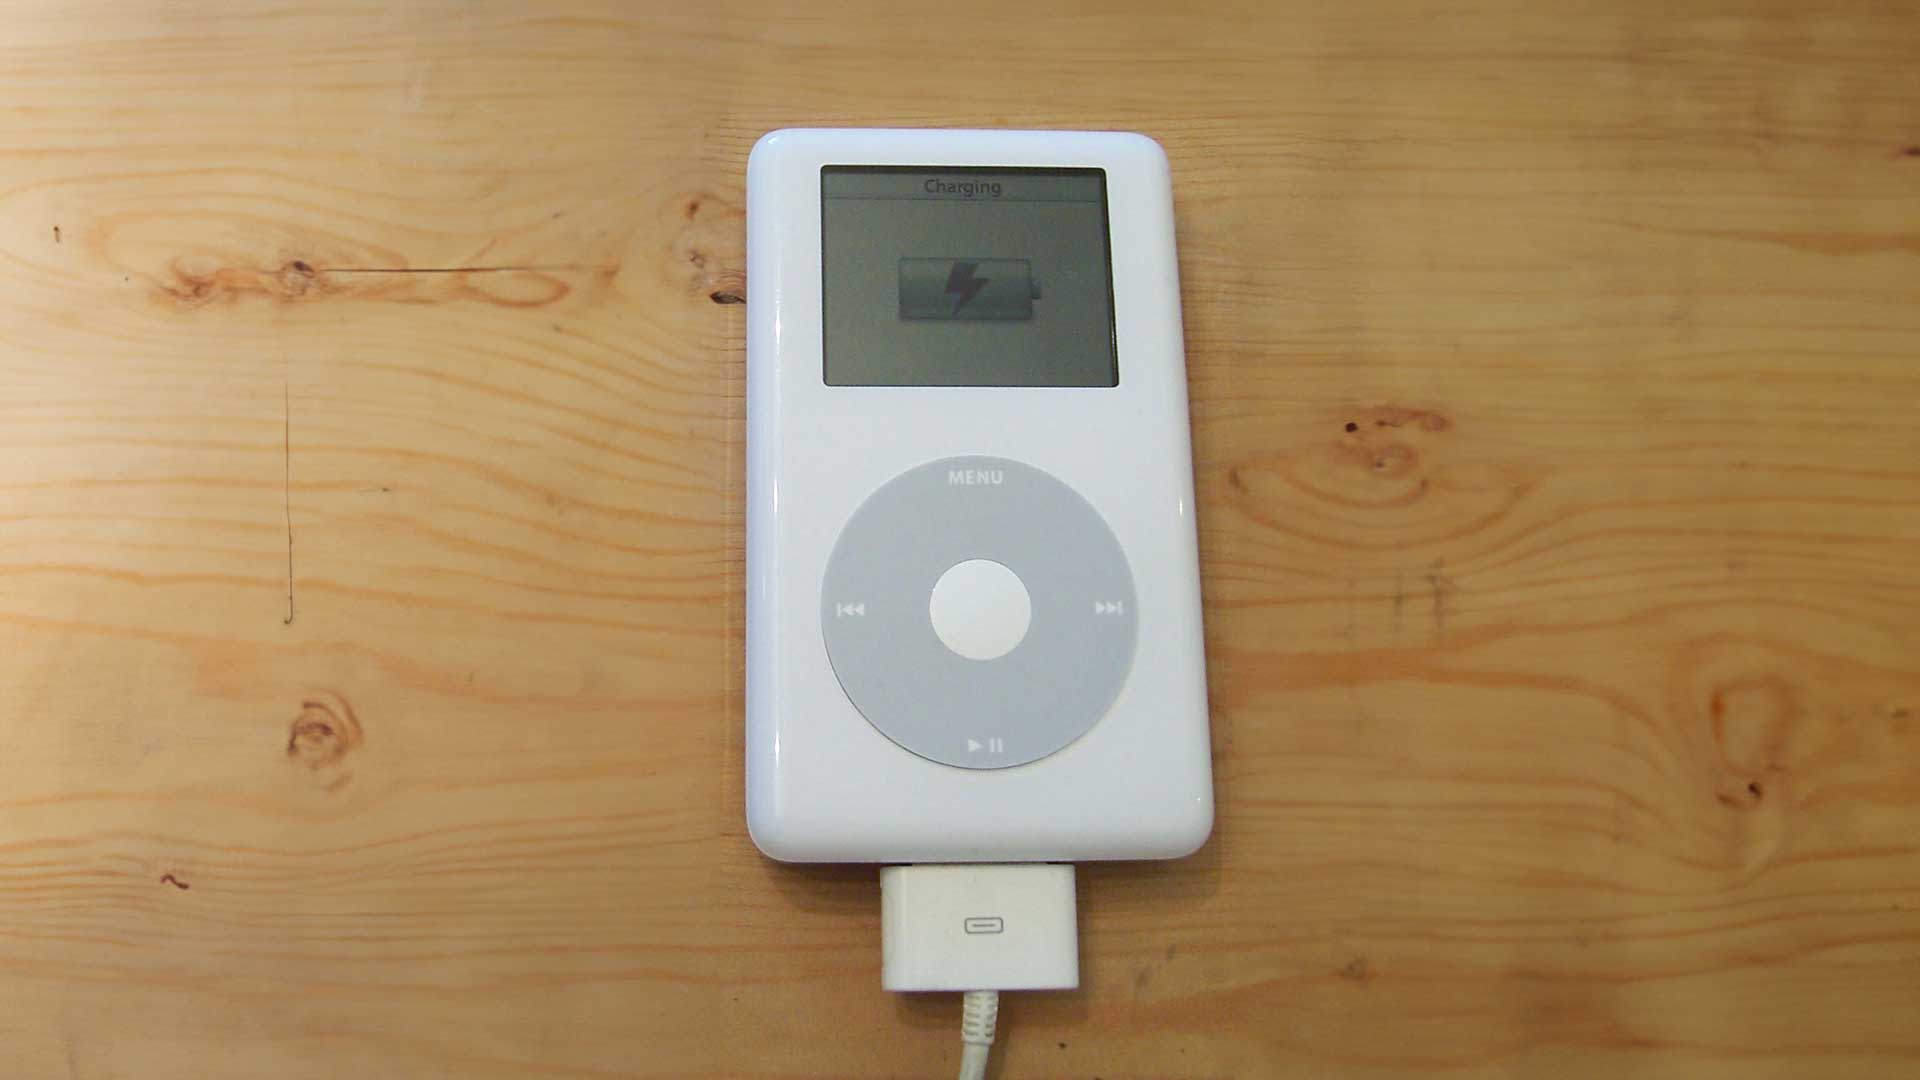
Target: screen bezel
1106,252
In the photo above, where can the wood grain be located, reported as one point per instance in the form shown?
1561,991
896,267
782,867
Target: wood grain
370,540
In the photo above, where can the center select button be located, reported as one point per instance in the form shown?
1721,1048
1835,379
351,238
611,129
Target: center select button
980,609
979,612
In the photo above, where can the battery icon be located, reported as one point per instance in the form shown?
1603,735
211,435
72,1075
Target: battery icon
989,290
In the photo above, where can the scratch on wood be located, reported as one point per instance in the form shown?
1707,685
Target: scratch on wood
1442,587
169,879
286,483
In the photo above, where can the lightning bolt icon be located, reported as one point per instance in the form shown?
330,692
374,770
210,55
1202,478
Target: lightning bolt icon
962,283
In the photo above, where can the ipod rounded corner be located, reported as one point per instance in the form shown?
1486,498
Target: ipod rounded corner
1192,830
1145,145
774,835
769,146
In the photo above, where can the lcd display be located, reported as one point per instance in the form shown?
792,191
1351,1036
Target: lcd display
966,277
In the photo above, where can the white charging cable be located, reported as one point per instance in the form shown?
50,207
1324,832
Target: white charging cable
979,1010
979,929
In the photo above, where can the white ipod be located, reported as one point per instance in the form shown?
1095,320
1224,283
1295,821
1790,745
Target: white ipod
973,594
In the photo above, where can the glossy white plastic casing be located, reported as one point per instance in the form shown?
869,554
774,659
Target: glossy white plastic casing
823,784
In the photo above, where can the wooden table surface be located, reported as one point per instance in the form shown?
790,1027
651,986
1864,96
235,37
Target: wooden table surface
370,540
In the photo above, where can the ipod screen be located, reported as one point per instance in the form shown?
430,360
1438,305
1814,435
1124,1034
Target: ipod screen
966,277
